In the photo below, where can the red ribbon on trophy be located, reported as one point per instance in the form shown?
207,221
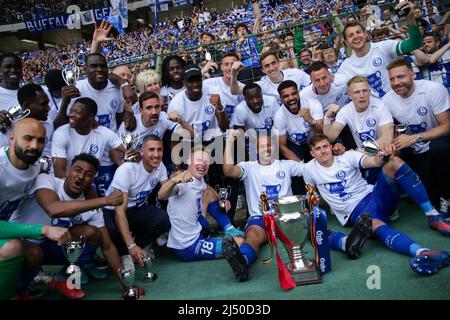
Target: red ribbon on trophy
272,232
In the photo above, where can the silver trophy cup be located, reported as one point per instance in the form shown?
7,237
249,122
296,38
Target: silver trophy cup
400,129
45,162
128,277
294,221
72,251
71,73
131,141
15,114
224,193
148,261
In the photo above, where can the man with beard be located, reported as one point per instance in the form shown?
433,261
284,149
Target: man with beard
135,223
254,115
267,174
423,106
61,202
172,77
270,66
152,120
83,135
18,170
296,121
190,198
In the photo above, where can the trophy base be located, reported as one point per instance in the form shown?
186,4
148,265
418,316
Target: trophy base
306,276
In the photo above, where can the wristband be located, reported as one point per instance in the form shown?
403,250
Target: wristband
131,245
124,85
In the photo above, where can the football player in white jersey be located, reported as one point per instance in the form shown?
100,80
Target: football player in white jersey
61,202
254,115
135,223
270,65
424,107
172,77
190,198
368,118
355,202
297,120
370,59
223,84
18,170
84,135
154,121
268,175
11,71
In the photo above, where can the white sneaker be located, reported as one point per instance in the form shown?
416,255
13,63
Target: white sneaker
42,278
443,206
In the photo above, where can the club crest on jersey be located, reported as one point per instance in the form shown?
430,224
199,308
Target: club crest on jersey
371,122
281,174
114,103
93,149
209,110
153,182
421,110
77,219
141,197
340,175
377,62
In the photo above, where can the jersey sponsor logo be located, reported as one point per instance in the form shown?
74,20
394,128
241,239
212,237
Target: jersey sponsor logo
299,137
377,62
339,189
229,109
339,97
62,222
371,122
209,110
272,191
93,149
114,103
376,83
202,127
421,111
281,174
417,128
141,197
340,175
268,122
104,120
366,135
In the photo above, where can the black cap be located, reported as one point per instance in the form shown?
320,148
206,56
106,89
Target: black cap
190,71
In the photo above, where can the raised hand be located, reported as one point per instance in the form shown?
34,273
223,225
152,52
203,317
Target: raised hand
101,33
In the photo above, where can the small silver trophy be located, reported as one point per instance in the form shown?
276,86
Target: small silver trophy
293,219
71,73
127,278
131,141
45,163
400,129
148,261
371,148
224,193
72,251
15,114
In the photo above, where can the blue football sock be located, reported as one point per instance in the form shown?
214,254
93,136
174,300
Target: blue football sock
337,240
411,184
87,255
203,221
219,214
219,250
248,252
397,241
